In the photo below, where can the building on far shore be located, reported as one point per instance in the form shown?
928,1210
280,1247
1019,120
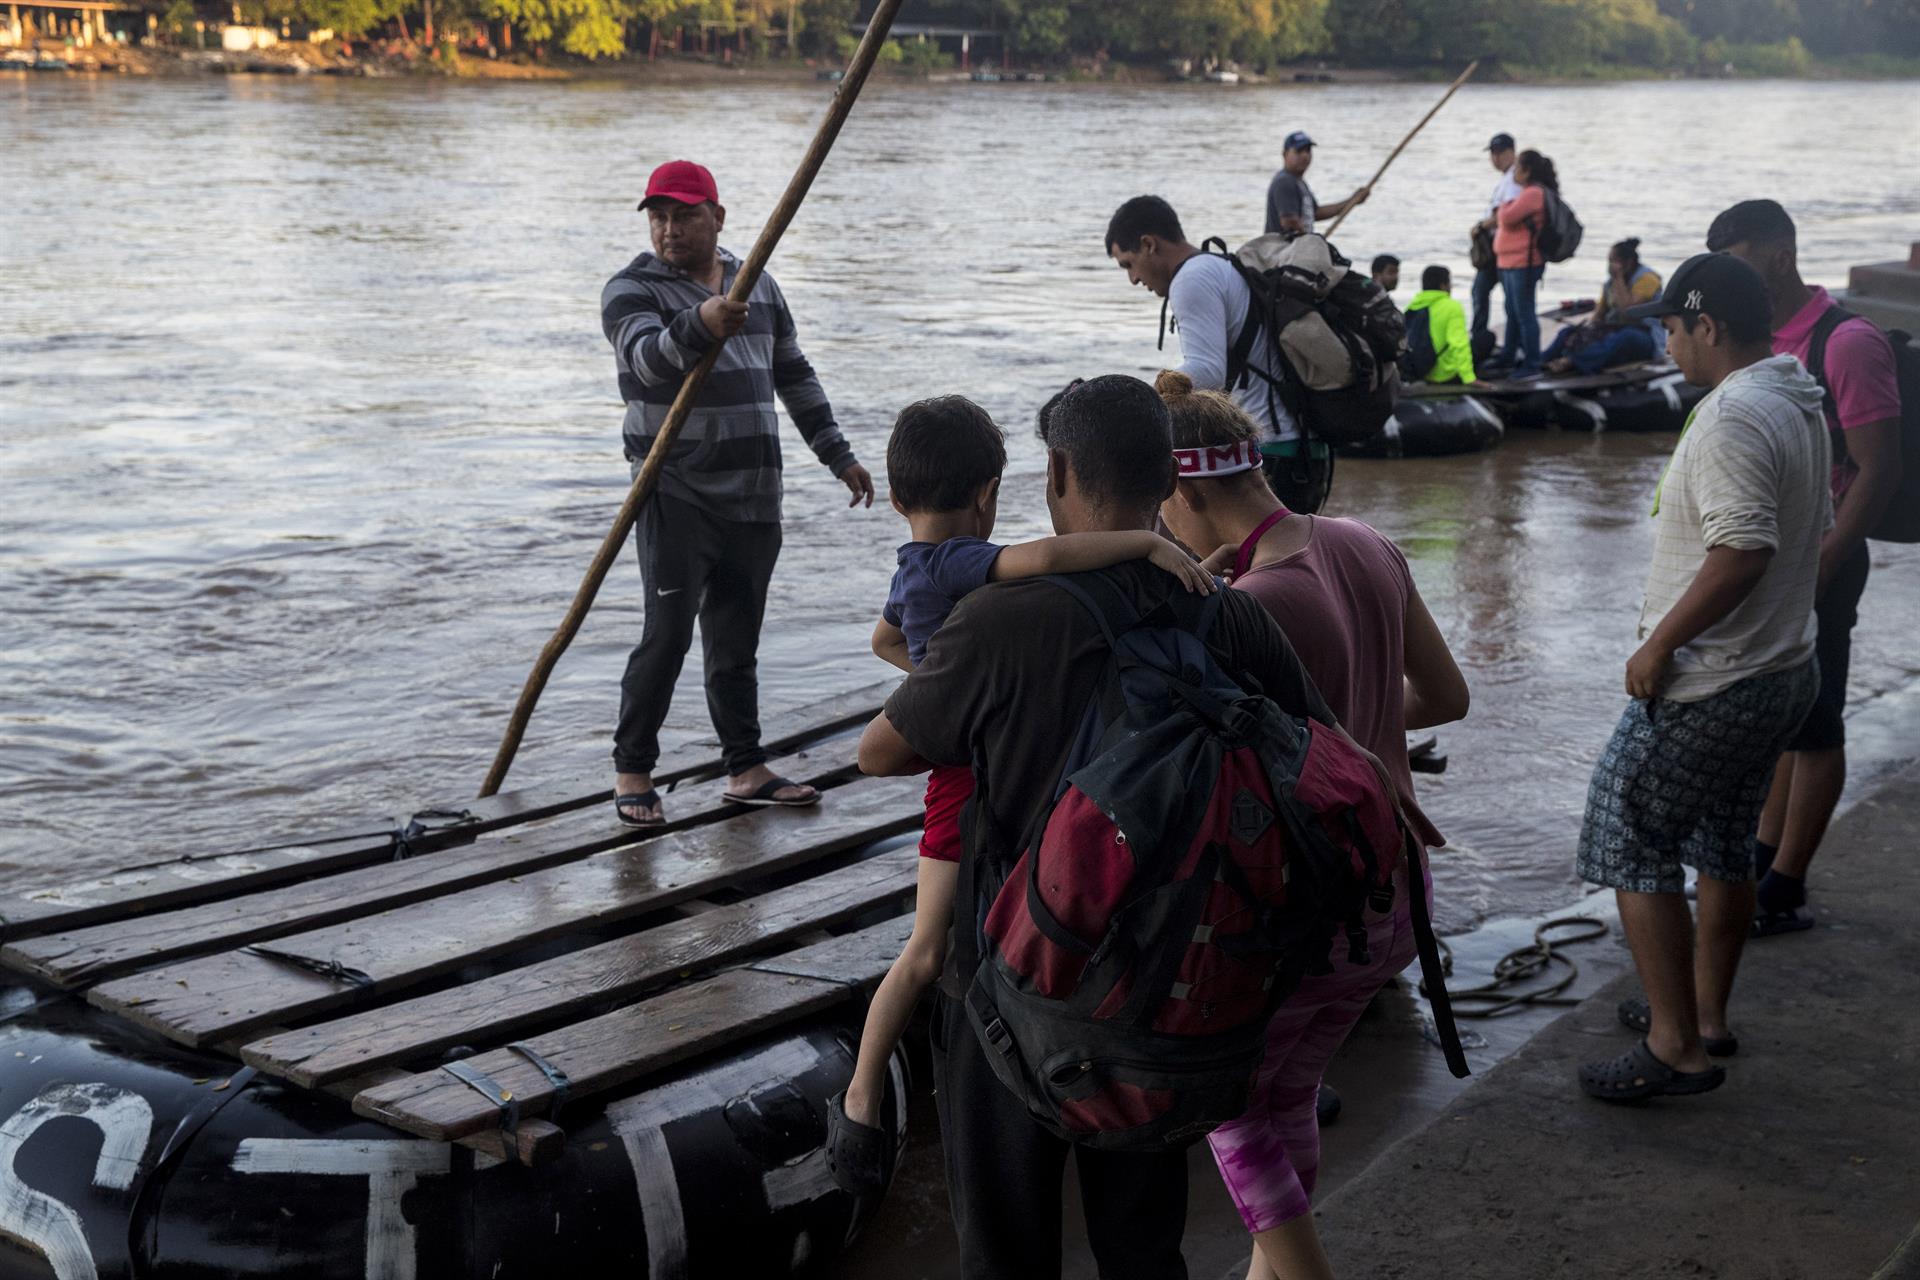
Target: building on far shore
84,23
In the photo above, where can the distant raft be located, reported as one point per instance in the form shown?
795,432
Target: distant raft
1638,397
1432,427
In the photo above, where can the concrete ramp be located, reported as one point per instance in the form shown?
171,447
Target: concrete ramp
1804,1166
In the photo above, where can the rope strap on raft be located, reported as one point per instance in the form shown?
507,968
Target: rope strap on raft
490,1089
555,1076
1492,999
425,823
313,964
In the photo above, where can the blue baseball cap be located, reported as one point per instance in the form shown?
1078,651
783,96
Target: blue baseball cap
1299,141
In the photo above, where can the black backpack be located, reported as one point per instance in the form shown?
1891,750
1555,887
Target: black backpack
1360,314
1558,235
1900,522
1421,356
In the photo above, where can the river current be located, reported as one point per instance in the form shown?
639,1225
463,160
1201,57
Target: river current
307,427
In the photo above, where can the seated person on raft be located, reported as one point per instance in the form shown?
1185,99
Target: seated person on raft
943,469
1439,348
1603,340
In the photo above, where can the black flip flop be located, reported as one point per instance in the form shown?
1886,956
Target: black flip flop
767,794
1637,1075
639,799
859,1156
1637,1016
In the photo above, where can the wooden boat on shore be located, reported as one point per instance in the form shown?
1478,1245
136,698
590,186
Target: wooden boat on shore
510,1038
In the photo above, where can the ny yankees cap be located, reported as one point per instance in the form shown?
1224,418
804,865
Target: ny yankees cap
1709,284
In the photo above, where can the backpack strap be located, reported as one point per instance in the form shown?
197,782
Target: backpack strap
1433,975
1830,319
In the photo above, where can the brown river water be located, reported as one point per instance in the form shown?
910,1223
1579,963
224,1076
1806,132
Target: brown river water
307,429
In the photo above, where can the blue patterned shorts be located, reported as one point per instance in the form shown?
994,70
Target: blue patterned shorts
1684,782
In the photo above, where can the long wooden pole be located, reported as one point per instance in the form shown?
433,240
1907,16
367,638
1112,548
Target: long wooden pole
1464,75
649,477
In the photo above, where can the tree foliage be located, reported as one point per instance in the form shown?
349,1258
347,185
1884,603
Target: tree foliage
1754,36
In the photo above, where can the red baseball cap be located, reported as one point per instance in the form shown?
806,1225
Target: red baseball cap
682,181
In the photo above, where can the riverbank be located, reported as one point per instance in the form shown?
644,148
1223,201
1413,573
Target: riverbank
1799,1168
397,58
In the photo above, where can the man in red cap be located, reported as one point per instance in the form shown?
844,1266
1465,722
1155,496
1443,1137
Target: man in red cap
709,538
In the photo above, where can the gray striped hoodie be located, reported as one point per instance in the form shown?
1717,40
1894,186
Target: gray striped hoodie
727,457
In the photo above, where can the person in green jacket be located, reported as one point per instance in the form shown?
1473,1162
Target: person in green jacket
1446,326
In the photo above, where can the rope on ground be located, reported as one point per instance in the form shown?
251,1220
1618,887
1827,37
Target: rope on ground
1524,964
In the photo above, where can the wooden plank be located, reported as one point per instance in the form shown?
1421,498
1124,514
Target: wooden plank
509,1005
197,878
203,1001
79,957
612,1050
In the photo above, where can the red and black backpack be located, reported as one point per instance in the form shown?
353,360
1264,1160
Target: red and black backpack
1205,850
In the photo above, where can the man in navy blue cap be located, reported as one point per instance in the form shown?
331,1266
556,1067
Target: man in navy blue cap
1291,207
1501,154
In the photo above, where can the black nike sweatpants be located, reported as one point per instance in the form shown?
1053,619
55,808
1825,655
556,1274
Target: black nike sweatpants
697,567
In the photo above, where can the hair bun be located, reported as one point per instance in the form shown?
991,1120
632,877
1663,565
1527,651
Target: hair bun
1172,384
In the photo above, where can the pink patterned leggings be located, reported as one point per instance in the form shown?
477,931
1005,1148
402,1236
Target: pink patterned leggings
1270,1157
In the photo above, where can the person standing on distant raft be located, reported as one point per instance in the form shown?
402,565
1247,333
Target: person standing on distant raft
1501,153
709,537
1291,208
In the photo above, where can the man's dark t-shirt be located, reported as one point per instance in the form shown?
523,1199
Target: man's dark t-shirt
1007,681
1289,197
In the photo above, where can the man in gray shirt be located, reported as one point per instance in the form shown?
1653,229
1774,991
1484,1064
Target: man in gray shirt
1291,207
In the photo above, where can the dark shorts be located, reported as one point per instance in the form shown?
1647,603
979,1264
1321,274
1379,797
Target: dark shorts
1683,782
1825,728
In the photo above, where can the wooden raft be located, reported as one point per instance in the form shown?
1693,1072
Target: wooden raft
600,953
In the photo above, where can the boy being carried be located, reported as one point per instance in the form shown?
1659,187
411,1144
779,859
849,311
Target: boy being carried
943,470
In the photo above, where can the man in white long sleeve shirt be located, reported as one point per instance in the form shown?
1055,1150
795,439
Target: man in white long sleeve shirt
1210,305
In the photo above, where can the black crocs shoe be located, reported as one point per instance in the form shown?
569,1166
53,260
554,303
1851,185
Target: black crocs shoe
859,1156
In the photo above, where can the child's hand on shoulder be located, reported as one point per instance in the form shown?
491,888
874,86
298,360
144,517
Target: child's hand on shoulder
1193,576
1220,563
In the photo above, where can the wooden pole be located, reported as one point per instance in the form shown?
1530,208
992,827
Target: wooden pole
1471,67
644,484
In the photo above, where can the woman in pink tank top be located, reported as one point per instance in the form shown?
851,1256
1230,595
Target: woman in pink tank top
1346,600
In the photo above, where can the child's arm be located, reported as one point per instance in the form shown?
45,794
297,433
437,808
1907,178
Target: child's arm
890,645
1221,561
1075,552
917,969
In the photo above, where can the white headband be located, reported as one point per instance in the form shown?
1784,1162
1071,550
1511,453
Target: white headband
1218,459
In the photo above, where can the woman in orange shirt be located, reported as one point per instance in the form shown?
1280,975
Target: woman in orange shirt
1516,250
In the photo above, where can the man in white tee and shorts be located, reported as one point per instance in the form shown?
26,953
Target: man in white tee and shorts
1211,306
1723,677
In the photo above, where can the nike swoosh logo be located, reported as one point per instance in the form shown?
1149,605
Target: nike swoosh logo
663,591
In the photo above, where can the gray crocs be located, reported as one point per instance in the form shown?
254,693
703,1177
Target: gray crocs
1637,1075
1635,1015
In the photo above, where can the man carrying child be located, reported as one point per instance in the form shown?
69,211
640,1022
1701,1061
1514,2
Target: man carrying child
1004,686
943,472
